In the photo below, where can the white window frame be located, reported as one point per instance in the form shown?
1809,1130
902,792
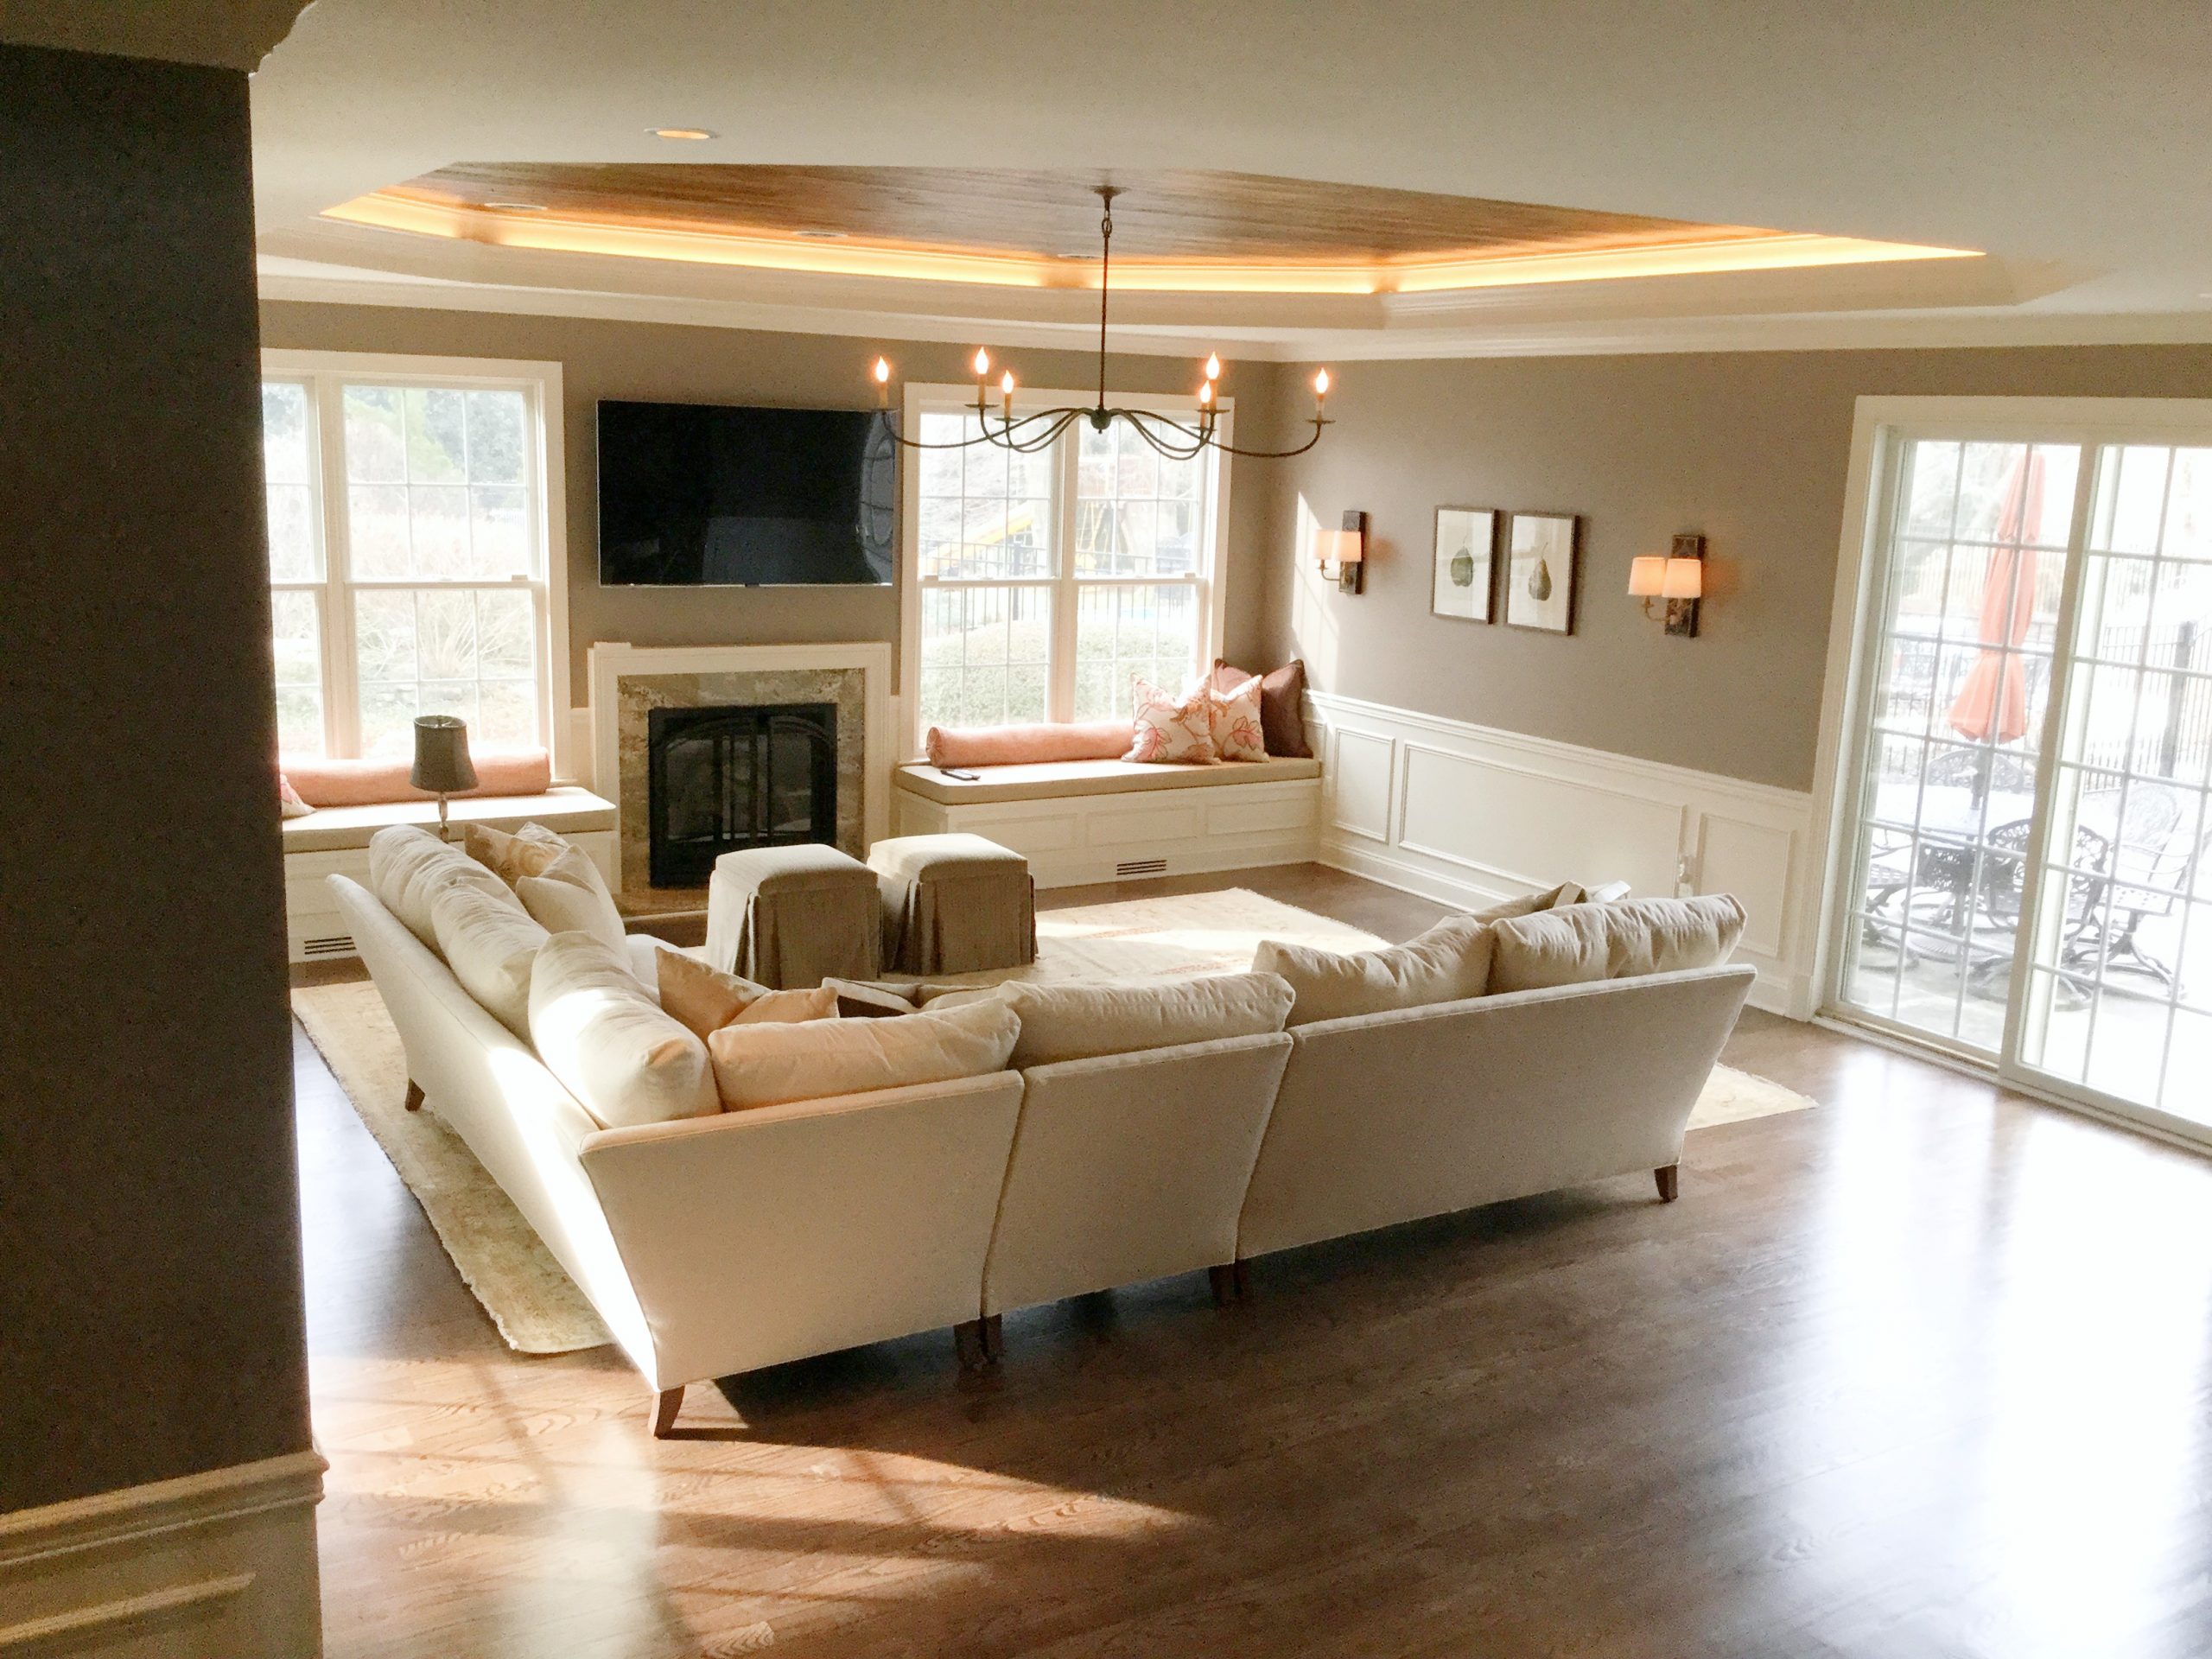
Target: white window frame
1207,584
325,374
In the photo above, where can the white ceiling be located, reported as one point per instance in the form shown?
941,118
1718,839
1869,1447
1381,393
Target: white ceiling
2070,142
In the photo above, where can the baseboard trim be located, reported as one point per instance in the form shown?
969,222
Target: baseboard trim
220,1563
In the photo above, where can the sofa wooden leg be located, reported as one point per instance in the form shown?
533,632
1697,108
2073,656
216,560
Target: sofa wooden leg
969,1342
414,1096
1670,1182
1225,1281
666,1404
993,1339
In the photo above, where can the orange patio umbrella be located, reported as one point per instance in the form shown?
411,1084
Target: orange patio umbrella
1992,704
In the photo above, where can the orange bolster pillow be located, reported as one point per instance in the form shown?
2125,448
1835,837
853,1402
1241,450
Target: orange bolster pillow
1013,745
372,783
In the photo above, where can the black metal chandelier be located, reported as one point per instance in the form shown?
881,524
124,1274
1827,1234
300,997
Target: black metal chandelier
1027,434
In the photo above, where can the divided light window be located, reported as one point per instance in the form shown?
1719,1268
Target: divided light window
407,559
1047,581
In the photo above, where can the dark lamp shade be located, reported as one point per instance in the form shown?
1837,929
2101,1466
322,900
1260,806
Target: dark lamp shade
441,762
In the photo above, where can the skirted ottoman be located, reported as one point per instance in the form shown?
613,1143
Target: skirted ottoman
790,917
954,904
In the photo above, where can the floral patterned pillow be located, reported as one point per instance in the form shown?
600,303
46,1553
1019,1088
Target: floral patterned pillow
1236,727
1171,728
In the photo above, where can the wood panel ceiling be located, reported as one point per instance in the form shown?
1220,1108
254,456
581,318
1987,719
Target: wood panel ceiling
1169,216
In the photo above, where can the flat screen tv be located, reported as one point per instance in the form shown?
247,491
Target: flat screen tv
700,495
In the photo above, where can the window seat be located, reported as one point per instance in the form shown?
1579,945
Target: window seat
1085,821
334,840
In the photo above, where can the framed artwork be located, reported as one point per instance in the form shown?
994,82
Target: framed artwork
1467,543
1541,560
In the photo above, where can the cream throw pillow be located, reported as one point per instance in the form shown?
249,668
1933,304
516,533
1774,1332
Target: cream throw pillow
408,867
1238,733
568,891
490,942
704,1000
766,1064
1580,943
1075,1022
525,852
599,1033
1171,729
1566,893
1449,962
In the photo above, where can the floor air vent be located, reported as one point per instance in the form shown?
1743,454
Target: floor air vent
1135,867
337,945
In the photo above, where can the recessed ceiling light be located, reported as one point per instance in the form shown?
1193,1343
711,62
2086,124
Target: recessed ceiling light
695,134
516,206
821,236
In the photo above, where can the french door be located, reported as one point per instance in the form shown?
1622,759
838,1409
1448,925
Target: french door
2026,821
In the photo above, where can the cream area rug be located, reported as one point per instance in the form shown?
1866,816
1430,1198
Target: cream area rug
537,1308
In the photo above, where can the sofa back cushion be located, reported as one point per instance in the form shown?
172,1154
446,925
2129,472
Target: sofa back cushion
408,867
1076,1022
598,1031
1577,945
766,1064
490,943
1449,962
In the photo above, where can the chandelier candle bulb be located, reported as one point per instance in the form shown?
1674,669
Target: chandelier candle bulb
1320,386
1005,393
882,382
1213,368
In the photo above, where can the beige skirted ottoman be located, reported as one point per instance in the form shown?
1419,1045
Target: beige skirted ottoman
790,917
954,904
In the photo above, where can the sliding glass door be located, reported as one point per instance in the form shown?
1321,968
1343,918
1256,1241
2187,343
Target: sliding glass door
2028,822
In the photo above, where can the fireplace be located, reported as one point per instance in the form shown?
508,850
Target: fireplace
721,778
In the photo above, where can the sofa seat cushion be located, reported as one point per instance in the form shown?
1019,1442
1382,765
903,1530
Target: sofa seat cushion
1079,1022
771,1064
598,1030
1052,780
1578,945
490,944
1448,963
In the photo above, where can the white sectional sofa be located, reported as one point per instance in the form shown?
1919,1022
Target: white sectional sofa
719,1244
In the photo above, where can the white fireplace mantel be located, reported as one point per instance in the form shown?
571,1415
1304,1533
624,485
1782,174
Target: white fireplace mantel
612,662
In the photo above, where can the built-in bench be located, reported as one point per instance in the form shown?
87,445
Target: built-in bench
335,840
1082,821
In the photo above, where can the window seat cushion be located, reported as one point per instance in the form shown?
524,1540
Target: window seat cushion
323,783
1052,780
567,811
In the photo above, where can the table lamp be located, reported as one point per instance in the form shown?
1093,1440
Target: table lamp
441,761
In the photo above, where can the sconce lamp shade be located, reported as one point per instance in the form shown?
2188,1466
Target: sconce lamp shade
1647,578
441,762
1684,579
1338,546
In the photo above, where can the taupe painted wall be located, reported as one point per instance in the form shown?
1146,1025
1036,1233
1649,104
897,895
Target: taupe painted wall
694,365
150,1322
1750,447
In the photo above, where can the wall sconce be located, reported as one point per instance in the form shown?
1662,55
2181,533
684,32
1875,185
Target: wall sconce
1346,550
1679,579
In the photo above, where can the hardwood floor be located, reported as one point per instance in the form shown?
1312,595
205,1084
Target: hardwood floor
1926,1371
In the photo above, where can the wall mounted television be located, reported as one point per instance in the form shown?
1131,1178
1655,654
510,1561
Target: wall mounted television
706,495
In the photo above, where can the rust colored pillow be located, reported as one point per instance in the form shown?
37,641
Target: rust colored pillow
1012,746
372,783
1282,718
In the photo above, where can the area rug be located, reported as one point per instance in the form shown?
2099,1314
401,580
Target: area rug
537,1308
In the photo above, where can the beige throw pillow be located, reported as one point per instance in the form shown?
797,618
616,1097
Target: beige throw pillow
1075,1022
568,891
1566,893
704,1000
525,852
490,942
1580,943
597,1031
768,1064
408,867
1447,963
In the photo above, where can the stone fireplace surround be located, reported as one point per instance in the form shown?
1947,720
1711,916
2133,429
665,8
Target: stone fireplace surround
628,681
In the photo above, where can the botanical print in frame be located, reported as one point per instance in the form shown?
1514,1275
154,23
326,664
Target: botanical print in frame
1467,540
1540,570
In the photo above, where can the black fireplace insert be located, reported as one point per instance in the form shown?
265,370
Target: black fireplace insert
726,778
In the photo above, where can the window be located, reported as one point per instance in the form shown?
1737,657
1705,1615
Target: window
1040,584
411,556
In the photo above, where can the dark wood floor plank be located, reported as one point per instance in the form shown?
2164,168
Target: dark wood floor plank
1925,1371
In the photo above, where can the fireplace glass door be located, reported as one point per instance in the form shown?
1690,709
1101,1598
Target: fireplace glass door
723,778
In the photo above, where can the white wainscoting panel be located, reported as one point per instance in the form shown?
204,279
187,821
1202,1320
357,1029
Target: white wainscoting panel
1470,815
215,1566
